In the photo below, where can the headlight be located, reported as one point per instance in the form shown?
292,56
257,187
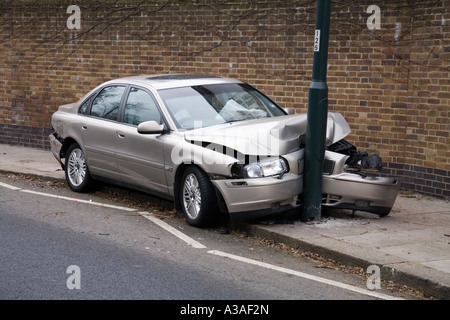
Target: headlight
266,168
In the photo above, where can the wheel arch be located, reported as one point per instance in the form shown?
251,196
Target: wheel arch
177,185
177,182
66,143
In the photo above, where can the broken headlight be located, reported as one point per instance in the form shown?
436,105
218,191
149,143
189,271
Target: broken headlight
265,168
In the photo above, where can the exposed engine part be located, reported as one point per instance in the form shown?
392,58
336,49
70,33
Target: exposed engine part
357,159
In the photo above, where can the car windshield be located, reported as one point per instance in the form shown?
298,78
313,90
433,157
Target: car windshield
207,105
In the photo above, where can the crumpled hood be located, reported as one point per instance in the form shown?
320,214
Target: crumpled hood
269,136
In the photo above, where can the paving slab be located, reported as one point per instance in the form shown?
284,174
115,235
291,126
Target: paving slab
30,161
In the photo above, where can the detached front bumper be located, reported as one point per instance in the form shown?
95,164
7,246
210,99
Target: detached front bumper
255,198
352,191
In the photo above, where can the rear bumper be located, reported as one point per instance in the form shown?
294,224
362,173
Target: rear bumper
56,147
255,198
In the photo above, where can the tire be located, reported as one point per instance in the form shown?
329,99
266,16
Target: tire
383,212
77,172
198,198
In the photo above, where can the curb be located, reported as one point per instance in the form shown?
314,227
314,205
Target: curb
35,175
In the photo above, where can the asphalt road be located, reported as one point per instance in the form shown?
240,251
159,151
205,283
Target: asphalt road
120,254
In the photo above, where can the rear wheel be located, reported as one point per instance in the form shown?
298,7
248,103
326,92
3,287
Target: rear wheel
198,198
78,176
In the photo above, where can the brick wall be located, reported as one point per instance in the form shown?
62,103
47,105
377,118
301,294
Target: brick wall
391,84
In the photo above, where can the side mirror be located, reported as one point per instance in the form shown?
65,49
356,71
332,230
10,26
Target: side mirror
289,110
150,127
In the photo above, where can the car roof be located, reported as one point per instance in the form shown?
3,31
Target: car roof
167,81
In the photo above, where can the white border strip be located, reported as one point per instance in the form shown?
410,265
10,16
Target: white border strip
305,275
79,200
172,230
8,186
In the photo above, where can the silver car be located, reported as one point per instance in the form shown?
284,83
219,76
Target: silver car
213,145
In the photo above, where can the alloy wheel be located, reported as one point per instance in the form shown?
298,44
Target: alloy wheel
192,197
77,167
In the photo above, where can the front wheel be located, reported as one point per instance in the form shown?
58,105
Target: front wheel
198,199
78,176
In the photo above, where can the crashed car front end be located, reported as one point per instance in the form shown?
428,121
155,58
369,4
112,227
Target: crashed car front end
351,180
263,188
272,184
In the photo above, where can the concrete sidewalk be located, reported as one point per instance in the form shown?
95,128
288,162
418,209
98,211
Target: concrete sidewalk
411,245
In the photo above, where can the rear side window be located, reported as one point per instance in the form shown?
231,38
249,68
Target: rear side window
107,103
85,106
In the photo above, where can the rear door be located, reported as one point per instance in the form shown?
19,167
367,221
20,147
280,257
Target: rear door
98,131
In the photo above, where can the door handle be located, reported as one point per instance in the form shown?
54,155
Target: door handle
84,127
120,134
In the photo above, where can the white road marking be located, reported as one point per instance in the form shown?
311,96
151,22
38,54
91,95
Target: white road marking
8,186
305,275
79,200
172,230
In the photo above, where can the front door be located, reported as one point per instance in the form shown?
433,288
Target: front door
140,157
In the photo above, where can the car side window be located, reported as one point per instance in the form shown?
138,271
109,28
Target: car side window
140,107
107,103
